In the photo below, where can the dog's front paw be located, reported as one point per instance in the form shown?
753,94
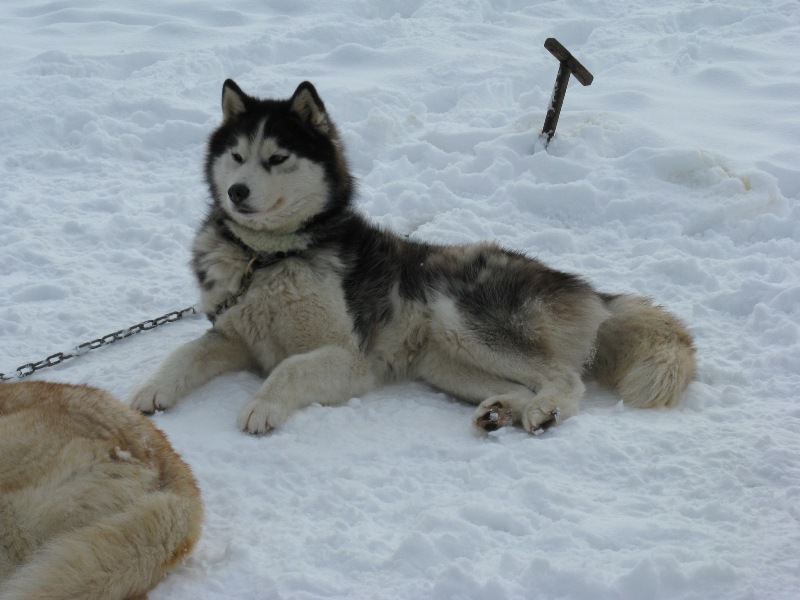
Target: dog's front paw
259,416
150,397
491,415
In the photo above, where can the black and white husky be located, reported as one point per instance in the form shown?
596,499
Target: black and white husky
301,288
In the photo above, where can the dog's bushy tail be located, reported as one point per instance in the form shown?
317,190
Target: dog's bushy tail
643,352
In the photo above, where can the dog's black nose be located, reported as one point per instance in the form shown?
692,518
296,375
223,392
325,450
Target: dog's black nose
238,193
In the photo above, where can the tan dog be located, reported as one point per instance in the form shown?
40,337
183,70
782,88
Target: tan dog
94,502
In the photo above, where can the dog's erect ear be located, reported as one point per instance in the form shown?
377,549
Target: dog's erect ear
234,100
307,104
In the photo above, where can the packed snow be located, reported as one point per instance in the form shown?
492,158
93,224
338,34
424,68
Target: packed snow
676,174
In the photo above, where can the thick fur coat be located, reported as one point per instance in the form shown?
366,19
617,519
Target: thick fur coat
94,502
302,289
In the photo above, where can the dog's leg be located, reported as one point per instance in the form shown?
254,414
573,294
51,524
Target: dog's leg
189,367
329,375
534,395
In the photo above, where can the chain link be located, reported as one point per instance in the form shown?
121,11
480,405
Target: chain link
59,357
247,279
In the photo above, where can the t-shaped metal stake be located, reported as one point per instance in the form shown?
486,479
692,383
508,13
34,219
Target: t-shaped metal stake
569,65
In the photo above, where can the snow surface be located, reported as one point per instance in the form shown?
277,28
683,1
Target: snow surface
676,174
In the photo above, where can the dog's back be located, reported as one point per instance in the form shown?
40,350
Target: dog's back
94,502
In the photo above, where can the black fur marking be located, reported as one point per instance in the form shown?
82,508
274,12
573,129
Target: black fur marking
496,305
378,262
202,278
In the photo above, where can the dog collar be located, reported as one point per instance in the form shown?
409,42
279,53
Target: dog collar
259,248
257,261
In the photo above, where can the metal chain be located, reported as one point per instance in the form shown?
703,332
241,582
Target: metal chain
231,300
59,357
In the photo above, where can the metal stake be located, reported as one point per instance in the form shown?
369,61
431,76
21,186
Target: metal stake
568,65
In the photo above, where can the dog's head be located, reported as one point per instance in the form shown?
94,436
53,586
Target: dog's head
273,165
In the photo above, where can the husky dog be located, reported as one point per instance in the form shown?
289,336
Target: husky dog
94,502
302,289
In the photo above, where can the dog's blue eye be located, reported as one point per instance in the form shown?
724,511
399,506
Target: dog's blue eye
277,159
237,157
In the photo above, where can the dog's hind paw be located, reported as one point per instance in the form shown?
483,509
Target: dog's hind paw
491,416
536,420
494,413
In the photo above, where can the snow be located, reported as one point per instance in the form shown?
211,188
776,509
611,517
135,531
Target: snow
676,174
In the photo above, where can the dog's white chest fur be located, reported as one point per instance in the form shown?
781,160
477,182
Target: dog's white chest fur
289,308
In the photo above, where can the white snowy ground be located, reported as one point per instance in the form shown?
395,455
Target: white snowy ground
676,174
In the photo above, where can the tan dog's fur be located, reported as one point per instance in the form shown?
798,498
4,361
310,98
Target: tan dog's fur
94,502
